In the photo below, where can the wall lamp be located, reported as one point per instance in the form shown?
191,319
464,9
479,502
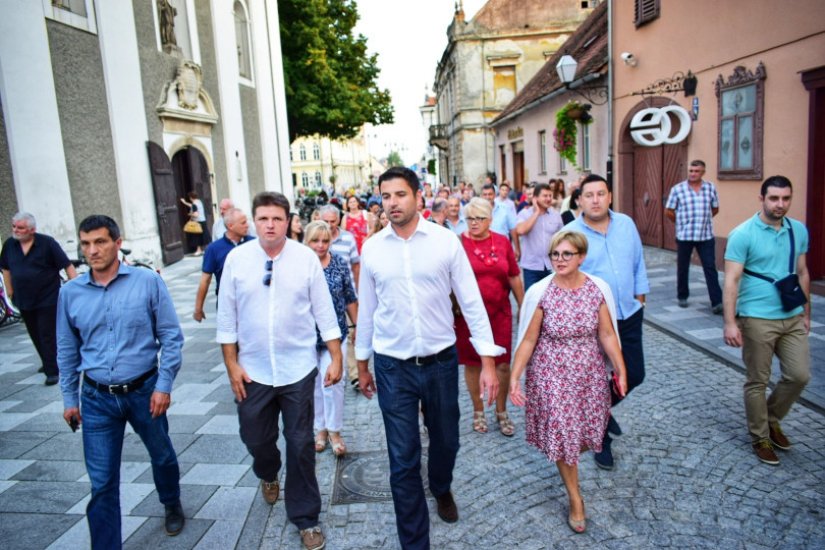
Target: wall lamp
566,69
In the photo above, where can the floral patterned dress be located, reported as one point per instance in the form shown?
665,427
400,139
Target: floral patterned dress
568,399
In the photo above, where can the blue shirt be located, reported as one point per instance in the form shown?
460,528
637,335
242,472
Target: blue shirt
339,281
617,258
459,227
113,334
694,211
504,218
764,250
215,256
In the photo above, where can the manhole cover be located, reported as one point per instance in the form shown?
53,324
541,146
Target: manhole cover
365,477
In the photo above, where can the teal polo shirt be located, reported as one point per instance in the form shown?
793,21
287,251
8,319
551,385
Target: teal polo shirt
764,250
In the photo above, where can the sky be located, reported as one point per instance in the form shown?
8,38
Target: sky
409,38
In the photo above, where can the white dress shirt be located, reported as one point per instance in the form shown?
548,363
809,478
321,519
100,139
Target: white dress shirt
274,326
404,307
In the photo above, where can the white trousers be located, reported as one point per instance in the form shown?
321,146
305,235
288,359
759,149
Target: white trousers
329,401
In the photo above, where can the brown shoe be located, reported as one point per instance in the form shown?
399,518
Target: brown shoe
313,538
778,438
764,452
447,510
270,491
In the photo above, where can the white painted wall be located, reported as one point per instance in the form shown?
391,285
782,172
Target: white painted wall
124,91
223,25
38,160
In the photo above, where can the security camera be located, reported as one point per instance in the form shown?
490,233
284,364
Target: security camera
629,59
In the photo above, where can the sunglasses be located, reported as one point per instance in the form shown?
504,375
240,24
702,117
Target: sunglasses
268,274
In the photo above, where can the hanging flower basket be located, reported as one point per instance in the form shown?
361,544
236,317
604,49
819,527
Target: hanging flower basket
564,135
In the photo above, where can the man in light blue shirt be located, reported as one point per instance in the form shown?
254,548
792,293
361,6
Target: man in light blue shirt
615,254
766,248
111,324
504,217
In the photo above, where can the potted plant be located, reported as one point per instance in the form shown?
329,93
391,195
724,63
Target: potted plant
566,130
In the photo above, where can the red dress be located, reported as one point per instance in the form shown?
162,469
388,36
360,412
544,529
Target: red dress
358,227
493,263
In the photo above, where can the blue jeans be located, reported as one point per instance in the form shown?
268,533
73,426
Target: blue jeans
532,276
402,386
707,255
104,422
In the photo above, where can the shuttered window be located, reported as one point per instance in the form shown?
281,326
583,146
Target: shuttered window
645,11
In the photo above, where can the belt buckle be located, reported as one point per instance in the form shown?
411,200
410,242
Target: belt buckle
418,362
119,389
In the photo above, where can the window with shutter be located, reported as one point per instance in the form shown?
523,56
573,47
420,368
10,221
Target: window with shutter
740,123
645,11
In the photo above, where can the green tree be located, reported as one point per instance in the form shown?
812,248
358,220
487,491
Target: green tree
394,159
330,79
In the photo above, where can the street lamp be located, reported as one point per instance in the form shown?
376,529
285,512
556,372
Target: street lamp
566,69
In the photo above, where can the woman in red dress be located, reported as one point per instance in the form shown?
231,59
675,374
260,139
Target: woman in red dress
356,221
494,264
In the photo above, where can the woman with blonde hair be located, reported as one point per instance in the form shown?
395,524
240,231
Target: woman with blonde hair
329,400
566,327
497,273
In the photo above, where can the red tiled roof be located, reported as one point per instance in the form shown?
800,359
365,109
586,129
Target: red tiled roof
587,45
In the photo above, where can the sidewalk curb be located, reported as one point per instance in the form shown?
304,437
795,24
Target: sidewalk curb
710,351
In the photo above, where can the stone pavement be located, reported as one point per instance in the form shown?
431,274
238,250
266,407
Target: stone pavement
699,327
685,474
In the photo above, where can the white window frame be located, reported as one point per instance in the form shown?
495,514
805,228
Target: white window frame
543,152
87,23
250,80
562,165
585,147
304,179
302,152
316,151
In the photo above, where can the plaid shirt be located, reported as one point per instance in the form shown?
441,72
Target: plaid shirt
694,211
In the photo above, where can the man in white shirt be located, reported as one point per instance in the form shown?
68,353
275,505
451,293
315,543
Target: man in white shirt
219,227
405,318
273,293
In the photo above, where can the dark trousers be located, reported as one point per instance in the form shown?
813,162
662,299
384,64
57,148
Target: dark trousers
630,332
402,386
532,276
41,323
707,255
258,416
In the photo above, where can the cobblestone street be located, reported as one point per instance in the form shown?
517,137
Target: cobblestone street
685,475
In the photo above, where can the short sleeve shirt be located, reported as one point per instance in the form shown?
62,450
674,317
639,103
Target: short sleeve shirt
35,276
764,250
694,211
215,256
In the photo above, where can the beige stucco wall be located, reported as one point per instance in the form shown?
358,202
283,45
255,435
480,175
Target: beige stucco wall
711,38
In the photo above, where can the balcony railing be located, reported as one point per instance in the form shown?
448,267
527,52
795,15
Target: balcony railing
439,136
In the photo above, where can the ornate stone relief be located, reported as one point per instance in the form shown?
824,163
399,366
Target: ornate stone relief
185,99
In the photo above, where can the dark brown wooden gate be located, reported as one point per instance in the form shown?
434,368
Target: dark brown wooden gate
518,169
166,203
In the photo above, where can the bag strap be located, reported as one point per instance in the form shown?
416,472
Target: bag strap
791,269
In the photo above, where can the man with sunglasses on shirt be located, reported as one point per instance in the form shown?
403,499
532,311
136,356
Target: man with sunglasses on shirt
273,293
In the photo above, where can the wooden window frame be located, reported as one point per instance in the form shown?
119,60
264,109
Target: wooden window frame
740,78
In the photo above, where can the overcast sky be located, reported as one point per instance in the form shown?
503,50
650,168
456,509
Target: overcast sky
409,38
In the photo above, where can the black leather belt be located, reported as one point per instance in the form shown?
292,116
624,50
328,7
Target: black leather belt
429,359
122,389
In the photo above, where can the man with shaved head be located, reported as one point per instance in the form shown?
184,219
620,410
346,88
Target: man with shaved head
237,229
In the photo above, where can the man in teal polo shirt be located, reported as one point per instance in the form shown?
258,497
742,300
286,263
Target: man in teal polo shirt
755,319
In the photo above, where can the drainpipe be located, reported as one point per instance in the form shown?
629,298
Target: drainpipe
609,174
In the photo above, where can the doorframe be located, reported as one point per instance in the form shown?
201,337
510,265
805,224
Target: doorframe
205,150
814,82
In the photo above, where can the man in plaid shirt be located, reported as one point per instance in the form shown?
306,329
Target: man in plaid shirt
692,205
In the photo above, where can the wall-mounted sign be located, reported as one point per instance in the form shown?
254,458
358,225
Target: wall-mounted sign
653,126
515,133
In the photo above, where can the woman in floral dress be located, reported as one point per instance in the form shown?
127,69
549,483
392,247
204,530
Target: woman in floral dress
566,321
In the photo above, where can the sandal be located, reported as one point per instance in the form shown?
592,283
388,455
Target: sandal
338,447
479,422
577,525
321,441
505,424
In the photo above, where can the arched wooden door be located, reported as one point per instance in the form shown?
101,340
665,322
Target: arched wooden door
166,204
192,174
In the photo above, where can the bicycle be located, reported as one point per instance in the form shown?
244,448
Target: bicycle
8,313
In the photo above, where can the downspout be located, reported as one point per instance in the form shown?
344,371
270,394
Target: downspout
609,174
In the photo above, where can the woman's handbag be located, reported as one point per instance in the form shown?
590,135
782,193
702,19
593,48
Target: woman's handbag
192,227
790,292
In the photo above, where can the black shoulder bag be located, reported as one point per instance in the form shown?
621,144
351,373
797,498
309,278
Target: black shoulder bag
789,290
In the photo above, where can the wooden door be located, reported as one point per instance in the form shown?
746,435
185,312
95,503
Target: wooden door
674,170
166,203
518,170
647,194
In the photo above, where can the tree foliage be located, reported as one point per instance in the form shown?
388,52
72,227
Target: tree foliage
394,159
330,78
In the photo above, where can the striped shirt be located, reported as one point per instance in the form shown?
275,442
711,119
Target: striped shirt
694,211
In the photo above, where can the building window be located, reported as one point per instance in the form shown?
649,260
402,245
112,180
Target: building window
243,41
304,179
543,151
503,157
645,11
562,165
302,152
586,4
504,84
318,181
585,147
316,151
76,13
741,121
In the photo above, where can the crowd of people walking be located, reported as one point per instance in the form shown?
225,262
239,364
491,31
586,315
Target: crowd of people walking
394,295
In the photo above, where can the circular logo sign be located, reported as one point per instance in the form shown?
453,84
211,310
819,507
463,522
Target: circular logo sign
653,126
